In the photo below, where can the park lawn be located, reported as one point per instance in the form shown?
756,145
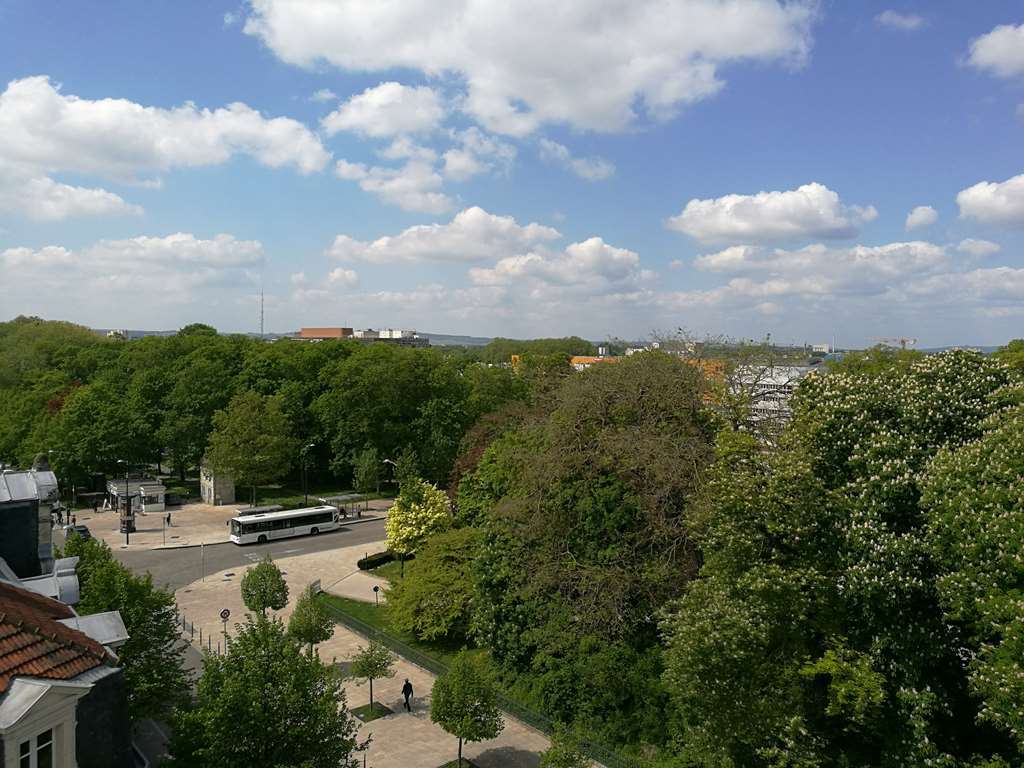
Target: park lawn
392,571
377,617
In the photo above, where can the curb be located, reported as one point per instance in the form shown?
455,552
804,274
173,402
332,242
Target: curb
164,547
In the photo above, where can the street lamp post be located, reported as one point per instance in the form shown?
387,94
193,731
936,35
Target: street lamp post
305,478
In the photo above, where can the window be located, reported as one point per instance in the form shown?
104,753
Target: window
38,752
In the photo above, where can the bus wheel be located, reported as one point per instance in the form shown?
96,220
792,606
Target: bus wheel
314,531
261,540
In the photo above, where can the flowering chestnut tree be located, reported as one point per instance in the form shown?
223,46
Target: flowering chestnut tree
816,633
419,511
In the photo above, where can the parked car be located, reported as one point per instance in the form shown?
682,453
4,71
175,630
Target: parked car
81,530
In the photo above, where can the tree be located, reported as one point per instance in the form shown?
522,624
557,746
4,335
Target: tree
407,467
374,662
265,703
563,753
420,511
153,655
366,477
464,701
310,622
251,440
975,534
263,586
816,633
433,599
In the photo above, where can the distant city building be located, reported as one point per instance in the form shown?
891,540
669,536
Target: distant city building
368,333
216,487
322,334
582,362
821,349
27,501
769,389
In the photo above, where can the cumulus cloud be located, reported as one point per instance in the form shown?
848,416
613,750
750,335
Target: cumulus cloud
416,186
388,109
598,64
589,168
592,265
810,211
921,216
345,278
145,272
43,199
978,248
472,235
46,132
992,202
906,22
999,52
475,152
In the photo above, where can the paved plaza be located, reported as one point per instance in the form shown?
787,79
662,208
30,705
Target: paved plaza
401,740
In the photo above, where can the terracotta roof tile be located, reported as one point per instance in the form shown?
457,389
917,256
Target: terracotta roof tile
34,644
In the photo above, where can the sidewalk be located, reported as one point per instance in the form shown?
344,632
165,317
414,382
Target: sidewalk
191,525
401,740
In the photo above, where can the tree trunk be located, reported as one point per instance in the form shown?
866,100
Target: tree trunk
371,695
460,752
181,472
253,496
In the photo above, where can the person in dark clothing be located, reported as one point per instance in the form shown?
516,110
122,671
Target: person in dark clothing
73,520
407,692
168,519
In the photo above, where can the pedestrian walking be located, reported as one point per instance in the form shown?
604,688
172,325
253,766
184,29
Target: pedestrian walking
407,692
73,520
168,519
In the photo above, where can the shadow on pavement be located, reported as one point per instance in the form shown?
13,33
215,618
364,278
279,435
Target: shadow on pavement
507,757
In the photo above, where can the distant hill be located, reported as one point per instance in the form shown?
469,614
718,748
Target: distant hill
449,340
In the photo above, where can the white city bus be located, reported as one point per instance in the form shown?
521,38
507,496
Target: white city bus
261,528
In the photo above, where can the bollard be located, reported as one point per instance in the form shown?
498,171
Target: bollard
200,635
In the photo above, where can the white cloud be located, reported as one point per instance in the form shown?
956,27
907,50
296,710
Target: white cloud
978,248
388,109
324,94
413,187
592,265
921,216
999,284
472,235
475,153
993,202
43,199
589,168
812,210
46,132
298,278
143,271
999,52
345,278
592,64
907,22
404,148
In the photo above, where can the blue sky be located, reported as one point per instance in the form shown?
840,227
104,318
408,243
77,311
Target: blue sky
611,169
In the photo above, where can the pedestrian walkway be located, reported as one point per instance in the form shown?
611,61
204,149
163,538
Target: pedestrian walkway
401,740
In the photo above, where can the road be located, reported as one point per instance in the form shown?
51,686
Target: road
175,568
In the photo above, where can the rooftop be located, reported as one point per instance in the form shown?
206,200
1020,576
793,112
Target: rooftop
34,642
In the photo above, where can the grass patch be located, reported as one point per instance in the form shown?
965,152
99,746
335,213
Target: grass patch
366,714
390,571
377,617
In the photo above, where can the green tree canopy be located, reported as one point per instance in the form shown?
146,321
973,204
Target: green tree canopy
464,701
433,599
153,655
815,634
420,511
310,623
563,753
252,440
366,477
265,703
374,662
263,587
